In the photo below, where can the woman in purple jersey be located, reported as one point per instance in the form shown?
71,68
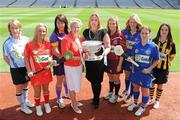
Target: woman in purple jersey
60,30
132,34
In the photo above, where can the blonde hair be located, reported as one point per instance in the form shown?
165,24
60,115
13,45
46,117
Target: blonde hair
114,18
15,22
136,18
36,30
99,22
75,21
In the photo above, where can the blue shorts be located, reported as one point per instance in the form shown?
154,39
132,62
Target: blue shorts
141,79
58,70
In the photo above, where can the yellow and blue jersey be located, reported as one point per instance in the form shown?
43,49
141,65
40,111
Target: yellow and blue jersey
131,39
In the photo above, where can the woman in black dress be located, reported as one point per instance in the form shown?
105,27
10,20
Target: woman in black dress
95,68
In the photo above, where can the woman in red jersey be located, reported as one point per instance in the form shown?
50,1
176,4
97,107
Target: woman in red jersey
37,53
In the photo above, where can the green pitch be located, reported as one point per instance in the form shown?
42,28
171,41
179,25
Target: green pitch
29,17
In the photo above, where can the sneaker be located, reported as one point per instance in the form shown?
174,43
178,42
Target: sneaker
128,99
151,101
77,110
113,99
47,107
132,106
39,111
60,103
25,109
140,111
79,104
124,93
66,95
156,104
108,95
29,104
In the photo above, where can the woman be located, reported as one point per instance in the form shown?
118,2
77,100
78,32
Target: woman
114,62
60,30
95,69
146,54
167,51
37,53
73,66
132,34
13,49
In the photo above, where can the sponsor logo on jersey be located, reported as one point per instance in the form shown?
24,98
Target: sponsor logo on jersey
142,58
41,58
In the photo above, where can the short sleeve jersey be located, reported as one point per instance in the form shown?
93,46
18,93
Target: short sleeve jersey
38,56
55,39
14,50
117,39
131,39
144,55
165,55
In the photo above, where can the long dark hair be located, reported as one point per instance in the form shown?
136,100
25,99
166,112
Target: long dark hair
63,19
169,36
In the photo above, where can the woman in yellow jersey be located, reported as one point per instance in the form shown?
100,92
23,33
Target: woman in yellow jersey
167,51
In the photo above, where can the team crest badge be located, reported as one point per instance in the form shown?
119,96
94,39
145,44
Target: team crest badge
136,51
148,52
115,42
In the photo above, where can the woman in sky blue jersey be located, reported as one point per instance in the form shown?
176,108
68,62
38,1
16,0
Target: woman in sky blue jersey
13,55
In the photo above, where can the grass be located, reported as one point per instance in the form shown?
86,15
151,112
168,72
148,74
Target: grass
29,17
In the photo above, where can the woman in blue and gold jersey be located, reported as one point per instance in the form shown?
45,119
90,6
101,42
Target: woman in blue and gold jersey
132,35
167,51
146,54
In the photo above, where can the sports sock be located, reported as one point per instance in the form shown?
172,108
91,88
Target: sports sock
58,93
65,88
158,94
151,92
111,85
117,87
37,101
46,98
127,82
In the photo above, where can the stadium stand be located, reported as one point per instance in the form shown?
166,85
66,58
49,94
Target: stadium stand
22,3
163,4
126,4
85,3
64,3
146,4
106,3
43,3
174,3
6,3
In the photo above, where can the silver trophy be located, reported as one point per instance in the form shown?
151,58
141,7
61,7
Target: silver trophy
92,47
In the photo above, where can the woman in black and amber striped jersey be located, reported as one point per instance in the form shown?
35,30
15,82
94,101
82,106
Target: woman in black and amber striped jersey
167,51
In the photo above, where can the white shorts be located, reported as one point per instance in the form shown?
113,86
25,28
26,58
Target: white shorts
73,77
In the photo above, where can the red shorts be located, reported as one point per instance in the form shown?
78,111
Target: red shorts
112,66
